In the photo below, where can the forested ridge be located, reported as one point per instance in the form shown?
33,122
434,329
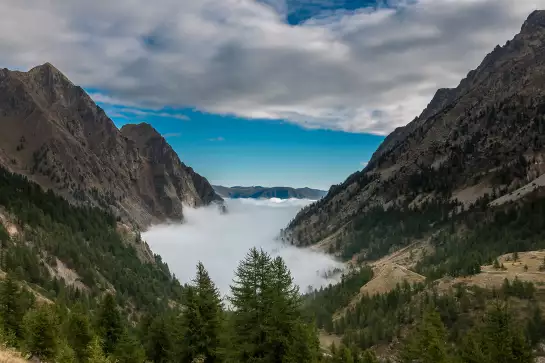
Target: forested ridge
130,310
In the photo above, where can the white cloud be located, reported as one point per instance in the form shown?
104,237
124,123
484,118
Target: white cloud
219,138
147,113
360,71
364,163
172,134
221,241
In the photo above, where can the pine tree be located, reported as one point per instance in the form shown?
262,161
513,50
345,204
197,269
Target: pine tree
80,334
497,340
285,311
427,344
159,341
369,356
346,356
251,277
502,339
268,324
96,352
109,324
41,333
129,350
496,264
65,354
11,310
203,320
535,328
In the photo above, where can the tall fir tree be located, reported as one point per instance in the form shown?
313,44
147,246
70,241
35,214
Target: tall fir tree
427,344
109,323
203,319
80,334
11,310
268,324
41,333
129,350
96,352
249,320
159,342
498,339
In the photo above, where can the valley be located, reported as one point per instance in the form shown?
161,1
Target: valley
114,250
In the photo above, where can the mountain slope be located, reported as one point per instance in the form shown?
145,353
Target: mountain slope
57,136
269,192
482,139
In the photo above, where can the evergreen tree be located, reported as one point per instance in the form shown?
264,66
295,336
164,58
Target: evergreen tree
129,350
369,356
535,328
268,324
65,354
346,356
159,341
251,277
203,320
109,324
285,312
497,340
41,333
427,344
96,352
11,310
80,334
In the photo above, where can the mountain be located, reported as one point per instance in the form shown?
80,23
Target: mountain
57,136
269,192
483,141
443,231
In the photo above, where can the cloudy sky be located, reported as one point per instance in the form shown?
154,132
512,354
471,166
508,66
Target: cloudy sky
296,92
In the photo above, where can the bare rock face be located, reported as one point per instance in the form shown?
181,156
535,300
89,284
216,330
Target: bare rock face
485,136
166,183
55,134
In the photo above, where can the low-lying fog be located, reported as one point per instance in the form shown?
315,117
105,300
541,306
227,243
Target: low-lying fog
221,241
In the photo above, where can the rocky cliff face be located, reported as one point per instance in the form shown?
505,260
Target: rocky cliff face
484,138
55,134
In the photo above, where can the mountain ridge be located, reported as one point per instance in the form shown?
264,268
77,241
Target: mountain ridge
257,192
59,138
484,137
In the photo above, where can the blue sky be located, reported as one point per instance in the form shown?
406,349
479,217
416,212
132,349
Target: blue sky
235,151
270,92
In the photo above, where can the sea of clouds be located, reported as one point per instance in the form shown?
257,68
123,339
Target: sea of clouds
220,241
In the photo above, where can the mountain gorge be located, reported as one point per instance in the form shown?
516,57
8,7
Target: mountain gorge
441,235
482,139
57,136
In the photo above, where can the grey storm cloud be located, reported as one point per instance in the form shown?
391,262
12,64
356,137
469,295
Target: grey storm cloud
361,71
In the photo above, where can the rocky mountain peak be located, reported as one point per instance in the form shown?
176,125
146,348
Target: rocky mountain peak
535,21
141,133
61,139
484,137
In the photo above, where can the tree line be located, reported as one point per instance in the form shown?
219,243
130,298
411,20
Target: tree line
264,323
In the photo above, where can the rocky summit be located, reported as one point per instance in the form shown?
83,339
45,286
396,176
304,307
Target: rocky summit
53,133
484,139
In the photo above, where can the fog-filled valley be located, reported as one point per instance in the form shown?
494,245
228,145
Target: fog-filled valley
220,241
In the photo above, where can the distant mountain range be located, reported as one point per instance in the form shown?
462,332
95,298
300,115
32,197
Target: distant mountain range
257,192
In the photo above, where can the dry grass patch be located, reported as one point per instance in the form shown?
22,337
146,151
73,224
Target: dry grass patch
11,356
387,277
326,340
491,277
